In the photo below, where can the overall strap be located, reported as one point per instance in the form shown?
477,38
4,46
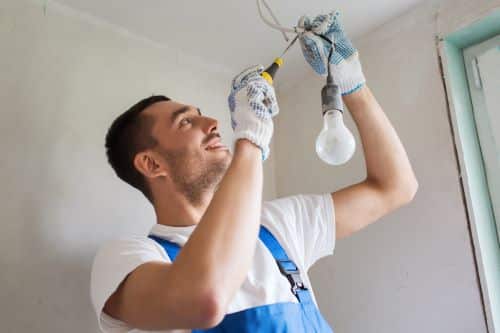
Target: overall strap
171,248
287,267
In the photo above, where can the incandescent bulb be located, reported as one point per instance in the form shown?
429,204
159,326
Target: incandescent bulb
335,144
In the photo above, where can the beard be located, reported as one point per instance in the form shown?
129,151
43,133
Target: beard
193,174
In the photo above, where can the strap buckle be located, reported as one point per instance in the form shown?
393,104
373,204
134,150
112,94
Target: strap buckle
292,273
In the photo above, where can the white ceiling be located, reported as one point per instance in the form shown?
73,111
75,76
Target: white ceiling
230,32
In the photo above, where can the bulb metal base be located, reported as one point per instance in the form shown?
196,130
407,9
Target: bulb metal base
331,98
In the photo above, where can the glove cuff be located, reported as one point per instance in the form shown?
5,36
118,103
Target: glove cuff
348,75
259,133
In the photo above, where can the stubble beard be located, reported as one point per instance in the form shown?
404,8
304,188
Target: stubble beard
193,175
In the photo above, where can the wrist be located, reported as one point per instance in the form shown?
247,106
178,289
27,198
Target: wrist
246,147
257,132
349,75
357,99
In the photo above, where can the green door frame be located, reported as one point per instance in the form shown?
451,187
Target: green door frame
472,174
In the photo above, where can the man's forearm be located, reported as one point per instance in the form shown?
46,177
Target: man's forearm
387,163
220,250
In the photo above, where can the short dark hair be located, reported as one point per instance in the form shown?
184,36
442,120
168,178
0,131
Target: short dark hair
128,135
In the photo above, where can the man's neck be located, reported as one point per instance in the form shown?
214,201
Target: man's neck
176,210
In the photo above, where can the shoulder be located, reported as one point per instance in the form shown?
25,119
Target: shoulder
116,259
130,248
298,204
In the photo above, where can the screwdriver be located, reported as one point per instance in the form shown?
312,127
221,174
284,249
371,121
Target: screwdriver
269,73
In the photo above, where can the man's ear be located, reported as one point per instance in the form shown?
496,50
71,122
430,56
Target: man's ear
147,164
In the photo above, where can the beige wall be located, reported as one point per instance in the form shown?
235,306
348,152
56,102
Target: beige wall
63,78
412,271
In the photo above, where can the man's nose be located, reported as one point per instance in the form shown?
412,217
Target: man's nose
210,125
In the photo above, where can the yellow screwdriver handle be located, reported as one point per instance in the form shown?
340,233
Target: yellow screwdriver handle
269,73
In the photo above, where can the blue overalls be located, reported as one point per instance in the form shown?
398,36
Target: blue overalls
282,317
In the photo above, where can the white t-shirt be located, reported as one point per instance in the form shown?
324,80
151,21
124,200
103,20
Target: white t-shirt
303,224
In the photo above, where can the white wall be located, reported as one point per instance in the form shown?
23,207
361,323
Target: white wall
63,78
412,271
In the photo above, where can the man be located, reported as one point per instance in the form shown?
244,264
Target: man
218,259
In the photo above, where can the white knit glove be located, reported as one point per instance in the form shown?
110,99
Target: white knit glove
252,103
345,65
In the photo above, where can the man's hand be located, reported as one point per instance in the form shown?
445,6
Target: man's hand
252,103
345,65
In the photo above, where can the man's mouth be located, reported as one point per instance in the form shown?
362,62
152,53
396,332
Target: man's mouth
216,146
214,143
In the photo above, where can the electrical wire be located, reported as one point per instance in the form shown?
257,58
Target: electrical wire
296,29
276,26
332,47
274,18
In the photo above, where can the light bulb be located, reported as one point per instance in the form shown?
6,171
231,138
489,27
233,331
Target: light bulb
335,144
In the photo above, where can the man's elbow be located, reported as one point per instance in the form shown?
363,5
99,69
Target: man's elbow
213,311
412,189
406,191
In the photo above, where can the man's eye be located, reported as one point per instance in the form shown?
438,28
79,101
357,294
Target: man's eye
185,121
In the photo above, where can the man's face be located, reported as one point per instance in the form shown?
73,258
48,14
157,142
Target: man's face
190,147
